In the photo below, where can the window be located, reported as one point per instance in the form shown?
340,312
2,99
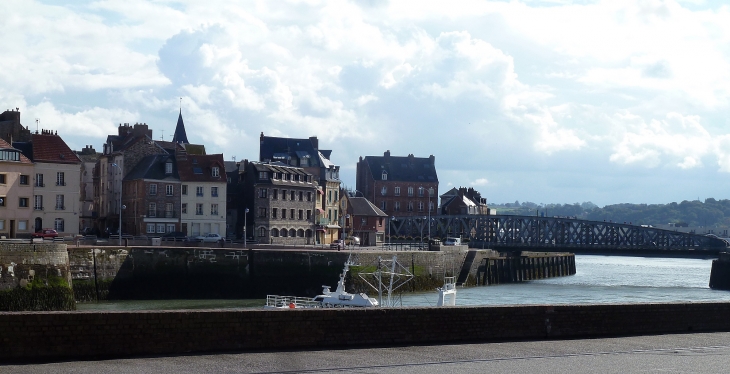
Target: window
274,213
397,206
22,225
38,202
293,195
153,189
283,194
263,193
384,190
59,202
309,214
275,195
363,221
169,211
420,206
214,191
410,191
263,175
215,172
410,206
60,179
301,196
3,179
262,232
397,191
184,209
283,233
2,224
170,227
199,191
309,196
329,196
168,168
420,191
184,189
291,215
382,205
150,228
2,201
39,180
213,209
336,198
430,206
161,228
10,155
198,209
24,180
23,202
58,224
262,212
283,214
384,176
301,214
292,233
152,210
169,189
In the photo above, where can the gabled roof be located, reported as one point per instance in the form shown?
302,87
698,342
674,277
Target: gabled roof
153,167
180,135
6,146
198,168
405,169
363,207
48,147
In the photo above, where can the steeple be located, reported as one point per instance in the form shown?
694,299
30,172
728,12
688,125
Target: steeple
180,135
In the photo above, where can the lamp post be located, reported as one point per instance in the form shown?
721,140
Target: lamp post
120,203
430,192
245,223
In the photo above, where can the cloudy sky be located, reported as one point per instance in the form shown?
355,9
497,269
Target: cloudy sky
545,101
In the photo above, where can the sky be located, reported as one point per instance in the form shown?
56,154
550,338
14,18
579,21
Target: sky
617,101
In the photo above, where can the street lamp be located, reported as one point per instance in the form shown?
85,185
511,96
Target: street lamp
430,192
245,223
120,203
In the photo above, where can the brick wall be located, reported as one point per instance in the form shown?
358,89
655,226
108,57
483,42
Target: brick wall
20,263
57,335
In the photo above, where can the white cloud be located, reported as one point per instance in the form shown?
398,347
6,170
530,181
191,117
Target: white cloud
480,182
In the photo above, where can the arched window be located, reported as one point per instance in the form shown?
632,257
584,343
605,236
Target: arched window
262,232
420,191
283,233
308,233
293,233
300,233
274,233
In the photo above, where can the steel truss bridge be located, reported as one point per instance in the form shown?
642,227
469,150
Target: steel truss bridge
545,233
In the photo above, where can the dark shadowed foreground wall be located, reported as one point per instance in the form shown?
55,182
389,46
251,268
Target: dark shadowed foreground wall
59,335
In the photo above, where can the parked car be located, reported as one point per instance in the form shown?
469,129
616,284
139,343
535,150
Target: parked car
452,241
338,244
174,235
209,238
352,240
45,233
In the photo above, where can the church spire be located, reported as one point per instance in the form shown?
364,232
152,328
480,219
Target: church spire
180,135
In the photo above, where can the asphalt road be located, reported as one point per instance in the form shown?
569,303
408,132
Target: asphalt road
684,353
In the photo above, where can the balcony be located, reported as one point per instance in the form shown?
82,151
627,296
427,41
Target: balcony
161,214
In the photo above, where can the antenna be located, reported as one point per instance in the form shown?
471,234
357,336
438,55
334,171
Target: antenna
37,122
181,105
233,158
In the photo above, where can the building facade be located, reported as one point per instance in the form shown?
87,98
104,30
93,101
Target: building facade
151,197
16,192
399,186
282,202
203,200
364,220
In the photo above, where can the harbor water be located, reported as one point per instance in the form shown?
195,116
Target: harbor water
598,279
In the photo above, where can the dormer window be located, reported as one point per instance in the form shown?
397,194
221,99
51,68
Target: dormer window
215,172
168,168
384,175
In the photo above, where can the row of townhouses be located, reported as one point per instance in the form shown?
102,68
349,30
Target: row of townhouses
292,194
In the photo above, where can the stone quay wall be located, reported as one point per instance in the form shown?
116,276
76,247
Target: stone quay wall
34,336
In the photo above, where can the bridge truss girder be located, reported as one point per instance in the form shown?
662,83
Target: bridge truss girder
545,232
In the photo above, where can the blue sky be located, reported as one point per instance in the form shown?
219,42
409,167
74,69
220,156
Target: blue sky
544,101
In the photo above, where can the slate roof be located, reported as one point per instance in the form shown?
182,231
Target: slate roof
405,169
180,135
153,167
363,207
48,147
279,167
275,149
198,168
231,166
6,146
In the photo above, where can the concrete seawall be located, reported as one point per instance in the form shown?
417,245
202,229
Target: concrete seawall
85,335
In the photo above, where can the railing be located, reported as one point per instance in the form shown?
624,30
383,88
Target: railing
276,301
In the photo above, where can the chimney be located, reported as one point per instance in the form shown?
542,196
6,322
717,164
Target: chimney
315,142
432,159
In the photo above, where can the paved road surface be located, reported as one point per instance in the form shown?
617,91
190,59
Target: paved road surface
685,353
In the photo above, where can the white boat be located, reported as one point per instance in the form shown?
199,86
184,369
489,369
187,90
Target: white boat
447,293
328,299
